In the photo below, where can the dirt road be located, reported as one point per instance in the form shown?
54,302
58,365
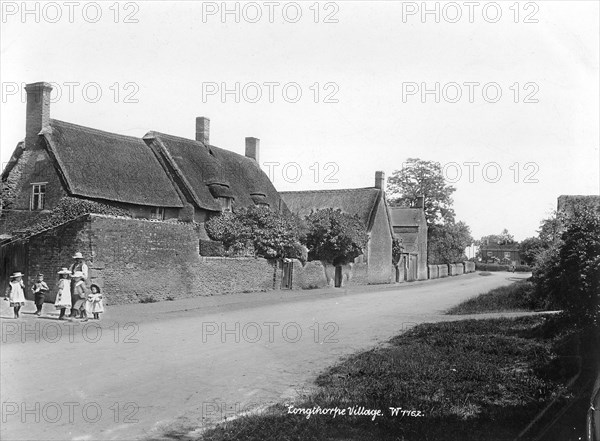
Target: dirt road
149,368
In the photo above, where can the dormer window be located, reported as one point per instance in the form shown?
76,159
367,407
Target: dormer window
222,194
260,199
38,196
157,213
225,204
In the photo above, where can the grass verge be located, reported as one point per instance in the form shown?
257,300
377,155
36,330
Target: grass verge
518,296
466,380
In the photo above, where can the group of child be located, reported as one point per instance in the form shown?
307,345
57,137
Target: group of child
72,293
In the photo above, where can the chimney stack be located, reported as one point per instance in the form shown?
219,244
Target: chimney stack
380,180
37,117
420,203
203,130
253,148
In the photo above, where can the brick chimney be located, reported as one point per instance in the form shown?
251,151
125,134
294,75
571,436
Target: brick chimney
253,148
420,202
38,112
380,180
203,130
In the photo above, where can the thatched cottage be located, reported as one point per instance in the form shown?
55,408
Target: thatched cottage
155,177
369,204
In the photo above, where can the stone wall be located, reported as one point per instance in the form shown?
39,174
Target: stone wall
433,271
443,270
316,274
133,260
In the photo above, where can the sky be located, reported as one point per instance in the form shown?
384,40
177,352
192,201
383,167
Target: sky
504,95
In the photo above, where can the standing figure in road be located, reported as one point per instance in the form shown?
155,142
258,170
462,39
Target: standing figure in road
63,295
94,304
16,292
80,293
39,289
78,265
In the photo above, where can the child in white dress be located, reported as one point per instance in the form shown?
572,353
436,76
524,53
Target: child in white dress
94,304
63,296
16,292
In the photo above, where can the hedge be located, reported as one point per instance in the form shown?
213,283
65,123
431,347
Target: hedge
496,267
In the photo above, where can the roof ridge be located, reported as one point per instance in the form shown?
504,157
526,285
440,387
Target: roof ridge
330,190
155,133
95,131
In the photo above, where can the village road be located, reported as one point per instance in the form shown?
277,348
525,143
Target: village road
149,368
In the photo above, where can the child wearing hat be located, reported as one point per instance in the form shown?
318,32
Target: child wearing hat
16,292
63,296
80,294
39,290
94,304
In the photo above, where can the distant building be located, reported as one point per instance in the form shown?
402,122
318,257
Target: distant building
506,253
409,225
370,206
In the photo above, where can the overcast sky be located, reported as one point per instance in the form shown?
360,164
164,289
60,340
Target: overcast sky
361,68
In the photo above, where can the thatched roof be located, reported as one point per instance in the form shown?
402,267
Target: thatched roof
361,202
407,217
206,172
102,165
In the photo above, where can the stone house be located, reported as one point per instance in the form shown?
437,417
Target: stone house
409,225
503,253
158,176
369,204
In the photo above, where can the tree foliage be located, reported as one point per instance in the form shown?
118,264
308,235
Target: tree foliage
334,237
530,248
567,270
257,231
447,243
67,209
504,238
422,178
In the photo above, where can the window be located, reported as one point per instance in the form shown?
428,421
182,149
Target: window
38,196
225,204
157,213
507,254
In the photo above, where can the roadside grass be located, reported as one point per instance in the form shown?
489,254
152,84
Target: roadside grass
470,380
518,296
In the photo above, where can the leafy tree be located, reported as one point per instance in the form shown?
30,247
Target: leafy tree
530,248
334,237
550,229
257,230
567,271
447,243
504,238
422,178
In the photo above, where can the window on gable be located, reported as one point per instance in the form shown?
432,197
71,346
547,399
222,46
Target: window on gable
38,196
157,213
225,204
